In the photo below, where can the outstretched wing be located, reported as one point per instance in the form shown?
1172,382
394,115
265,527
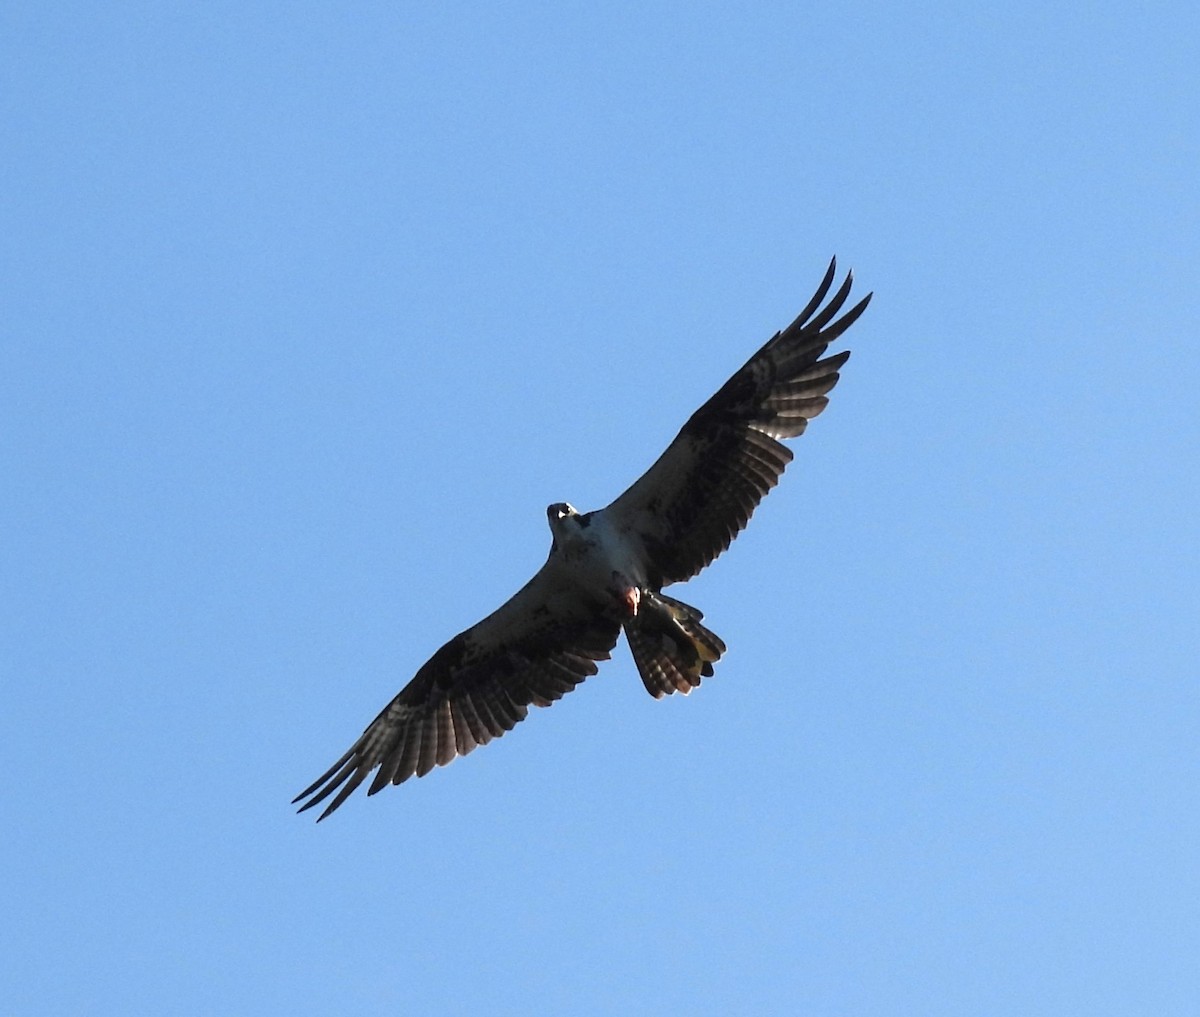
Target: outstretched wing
542,643
697,497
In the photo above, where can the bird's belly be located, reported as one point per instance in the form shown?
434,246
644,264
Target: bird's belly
608,563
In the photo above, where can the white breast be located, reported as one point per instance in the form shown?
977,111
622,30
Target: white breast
601,551
614,545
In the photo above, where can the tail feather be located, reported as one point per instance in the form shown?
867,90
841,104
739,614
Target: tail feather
670,646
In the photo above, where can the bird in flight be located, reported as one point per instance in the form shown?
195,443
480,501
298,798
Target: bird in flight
607,569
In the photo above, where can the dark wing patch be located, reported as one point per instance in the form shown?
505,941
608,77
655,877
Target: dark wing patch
701,492
532,651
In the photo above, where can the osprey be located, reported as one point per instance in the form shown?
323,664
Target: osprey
607,569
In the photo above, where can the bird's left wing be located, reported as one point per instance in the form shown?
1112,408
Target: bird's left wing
688,507
538,646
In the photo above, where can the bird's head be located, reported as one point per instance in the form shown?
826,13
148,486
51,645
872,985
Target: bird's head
564,520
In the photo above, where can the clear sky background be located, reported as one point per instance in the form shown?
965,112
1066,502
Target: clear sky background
308,312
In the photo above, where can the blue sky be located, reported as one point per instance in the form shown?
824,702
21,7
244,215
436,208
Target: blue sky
308,313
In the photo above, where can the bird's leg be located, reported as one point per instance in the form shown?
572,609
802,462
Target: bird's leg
628,596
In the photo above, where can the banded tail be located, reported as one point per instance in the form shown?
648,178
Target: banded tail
670,646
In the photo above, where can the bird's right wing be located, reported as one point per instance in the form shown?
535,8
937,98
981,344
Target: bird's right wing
538,646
